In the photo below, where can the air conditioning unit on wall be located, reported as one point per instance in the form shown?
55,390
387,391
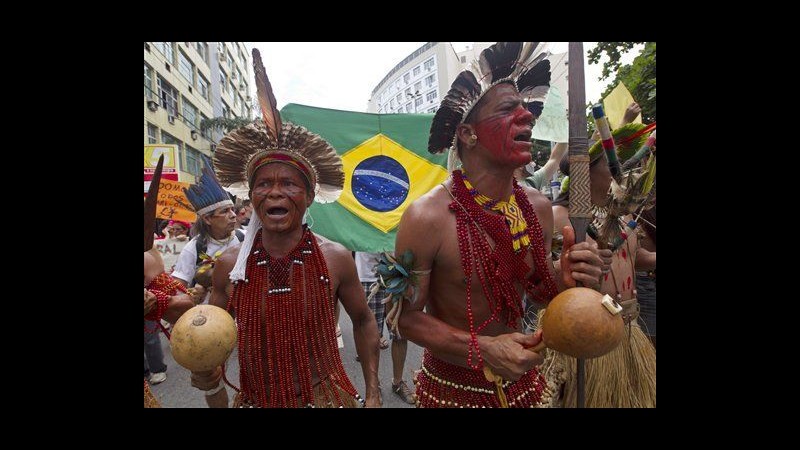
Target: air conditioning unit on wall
171,119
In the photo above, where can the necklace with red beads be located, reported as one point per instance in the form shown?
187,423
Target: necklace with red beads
500,267
285,320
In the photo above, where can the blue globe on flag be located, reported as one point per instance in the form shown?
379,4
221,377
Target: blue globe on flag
380,183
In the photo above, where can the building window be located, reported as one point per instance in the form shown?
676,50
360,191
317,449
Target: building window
430,79
431,96
192,161
230,60
244,108
399,99
204,133
408,107
429,65
391,103
168,95
417,70
226,110
166,49
189,113
408,91
407,78
202,50
417,86
432,110
418,101
223,80
185,67
167,138
233,89
148,80
203,85
235,99
152,134
463,59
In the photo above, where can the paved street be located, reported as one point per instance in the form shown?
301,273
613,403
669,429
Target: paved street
177,392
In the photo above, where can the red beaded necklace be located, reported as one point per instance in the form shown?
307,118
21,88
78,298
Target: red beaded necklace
285,316
499,268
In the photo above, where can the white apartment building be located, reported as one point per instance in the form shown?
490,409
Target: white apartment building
418,83
187,82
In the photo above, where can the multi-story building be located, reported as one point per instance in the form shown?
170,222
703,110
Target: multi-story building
418,82
187,82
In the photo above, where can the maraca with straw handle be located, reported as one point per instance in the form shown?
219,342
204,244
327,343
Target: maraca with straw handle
579,322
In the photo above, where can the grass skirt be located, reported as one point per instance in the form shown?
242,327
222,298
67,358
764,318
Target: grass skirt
622,378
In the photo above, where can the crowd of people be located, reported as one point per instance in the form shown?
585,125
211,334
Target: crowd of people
486,262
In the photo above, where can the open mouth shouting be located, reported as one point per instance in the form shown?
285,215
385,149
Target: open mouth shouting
277,213
524,137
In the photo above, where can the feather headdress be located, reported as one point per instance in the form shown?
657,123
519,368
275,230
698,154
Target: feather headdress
627,139
241,152
244,150
207,195
522,65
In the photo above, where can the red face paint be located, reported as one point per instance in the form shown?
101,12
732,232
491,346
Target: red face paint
506,118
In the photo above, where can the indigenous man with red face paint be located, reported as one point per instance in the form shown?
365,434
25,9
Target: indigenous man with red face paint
283,282
487,240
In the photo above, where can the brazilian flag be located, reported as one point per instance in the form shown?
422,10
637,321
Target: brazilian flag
386,167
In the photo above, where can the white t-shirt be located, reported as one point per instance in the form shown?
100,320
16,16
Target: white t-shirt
365,262
186,268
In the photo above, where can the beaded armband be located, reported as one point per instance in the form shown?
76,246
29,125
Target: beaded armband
162,303
163,286
397,277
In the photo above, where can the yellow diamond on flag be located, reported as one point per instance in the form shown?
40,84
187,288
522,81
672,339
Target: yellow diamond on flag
381,178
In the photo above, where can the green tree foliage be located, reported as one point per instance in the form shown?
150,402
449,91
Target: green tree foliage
639,76
223,124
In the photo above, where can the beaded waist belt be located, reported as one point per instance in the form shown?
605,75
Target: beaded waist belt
444,385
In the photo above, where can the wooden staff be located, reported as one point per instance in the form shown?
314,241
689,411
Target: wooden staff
580,208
